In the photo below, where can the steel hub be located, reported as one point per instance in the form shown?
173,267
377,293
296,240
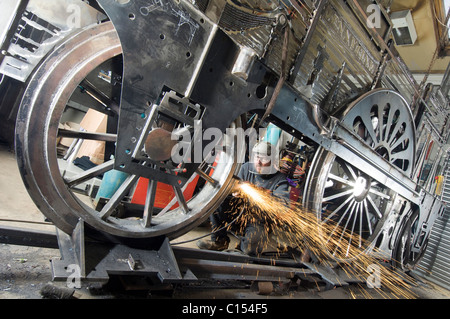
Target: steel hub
159,145
361,188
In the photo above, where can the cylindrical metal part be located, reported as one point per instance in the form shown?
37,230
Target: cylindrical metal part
243,63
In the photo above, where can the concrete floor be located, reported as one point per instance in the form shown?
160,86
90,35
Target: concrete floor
25,271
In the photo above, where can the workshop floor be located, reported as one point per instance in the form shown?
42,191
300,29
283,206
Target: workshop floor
25,271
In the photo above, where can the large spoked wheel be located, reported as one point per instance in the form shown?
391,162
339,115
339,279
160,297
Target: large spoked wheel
383,120
83,64
349,204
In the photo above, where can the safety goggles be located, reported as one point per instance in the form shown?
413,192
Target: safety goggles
263,159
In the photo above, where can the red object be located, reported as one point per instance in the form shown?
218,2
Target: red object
164,193
294,194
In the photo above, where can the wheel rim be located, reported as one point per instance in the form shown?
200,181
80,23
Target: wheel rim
405,258
37,131
349,204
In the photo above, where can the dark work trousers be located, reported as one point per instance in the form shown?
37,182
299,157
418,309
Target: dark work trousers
255,235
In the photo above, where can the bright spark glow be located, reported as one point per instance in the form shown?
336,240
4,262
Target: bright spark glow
304,230
360,186
252,192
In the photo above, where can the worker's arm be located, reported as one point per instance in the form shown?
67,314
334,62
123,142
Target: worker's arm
281,191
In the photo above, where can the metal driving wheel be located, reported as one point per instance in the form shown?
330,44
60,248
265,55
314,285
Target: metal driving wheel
350,205
383,120
84,63
404,256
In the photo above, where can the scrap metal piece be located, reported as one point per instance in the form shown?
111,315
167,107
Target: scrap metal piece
327,274
131,262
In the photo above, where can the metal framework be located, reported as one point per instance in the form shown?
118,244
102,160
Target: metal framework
157,68
166,266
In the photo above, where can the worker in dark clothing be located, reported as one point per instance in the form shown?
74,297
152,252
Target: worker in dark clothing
261,171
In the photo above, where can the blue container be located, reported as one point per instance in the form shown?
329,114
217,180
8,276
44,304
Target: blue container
273,134
110,184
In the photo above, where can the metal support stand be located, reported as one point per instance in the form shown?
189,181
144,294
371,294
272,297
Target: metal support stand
93,260
96,261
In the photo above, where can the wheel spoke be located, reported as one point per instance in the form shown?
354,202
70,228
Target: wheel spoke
361,223
333,213
403,155
343,230
123,190
206,177
166,209
181,200
89,88
350,237
340,220
368,217
394,132
367,120
399,141
339,179
349,171
380,123
90,173
377,211
149,203
337,195
379,194
389,124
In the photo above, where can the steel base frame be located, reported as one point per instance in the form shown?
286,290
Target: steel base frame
92,260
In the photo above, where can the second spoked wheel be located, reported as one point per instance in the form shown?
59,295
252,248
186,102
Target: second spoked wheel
350,205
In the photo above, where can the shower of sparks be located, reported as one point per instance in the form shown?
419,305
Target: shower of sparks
302,228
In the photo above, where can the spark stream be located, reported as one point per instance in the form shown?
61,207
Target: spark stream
303,230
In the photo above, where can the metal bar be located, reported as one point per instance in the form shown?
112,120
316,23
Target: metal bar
99,96
108,209
206,177
309,35
28,237
90,173
210,269
107,137
184,252
181,200
149,203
